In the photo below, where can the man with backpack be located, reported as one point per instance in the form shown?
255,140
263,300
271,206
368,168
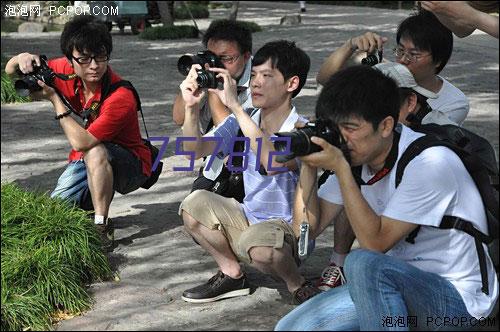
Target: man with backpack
108,153
393,279
424,46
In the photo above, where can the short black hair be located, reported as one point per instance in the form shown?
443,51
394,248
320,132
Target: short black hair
231,31
361,92
428,34
287,58
85,33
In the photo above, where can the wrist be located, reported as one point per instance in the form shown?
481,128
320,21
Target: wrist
59,116
343,168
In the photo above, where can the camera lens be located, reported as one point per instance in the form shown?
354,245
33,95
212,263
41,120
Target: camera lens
300,141
207,79
184,64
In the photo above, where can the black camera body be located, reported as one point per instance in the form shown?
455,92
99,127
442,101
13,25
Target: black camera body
206,79
372,59
300,139
28,83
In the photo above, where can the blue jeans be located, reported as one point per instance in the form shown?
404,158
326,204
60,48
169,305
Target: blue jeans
382,293
127,176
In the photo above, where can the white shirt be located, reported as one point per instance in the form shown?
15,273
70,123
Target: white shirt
434,184
451,102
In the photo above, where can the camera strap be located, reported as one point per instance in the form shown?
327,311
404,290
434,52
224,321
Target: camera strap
390,161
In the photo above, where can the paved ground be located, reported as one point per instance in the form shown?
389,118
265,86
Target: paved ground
155,259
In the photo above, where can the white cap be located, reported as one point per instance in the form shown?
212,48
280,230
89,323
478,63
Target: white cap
403,77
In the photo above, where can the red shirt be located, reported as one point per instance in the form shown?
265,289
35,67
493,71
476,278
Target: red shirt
117,121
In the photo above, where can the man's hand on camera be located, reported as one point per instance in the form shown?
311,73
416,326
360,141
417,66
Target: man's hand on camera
47,93
330,158
191,94
25,62
228,95
368,42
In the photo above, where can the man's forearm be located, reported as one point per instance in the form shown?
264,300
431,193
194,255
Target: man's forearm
334,62
11,66
306,207
217,109
79,138
178,110
191,128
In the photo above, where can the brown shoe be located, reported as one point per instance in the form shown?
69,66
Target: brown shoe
304,293
107,235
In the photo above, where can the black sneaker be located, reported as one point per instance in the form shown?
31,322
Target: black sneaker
220,286
304,293
107,235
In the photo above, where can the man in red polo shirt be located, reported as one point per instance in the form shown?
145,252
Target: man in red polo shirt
107,153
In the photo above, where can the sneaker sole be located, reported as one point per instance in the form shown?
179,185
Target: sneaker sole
239,292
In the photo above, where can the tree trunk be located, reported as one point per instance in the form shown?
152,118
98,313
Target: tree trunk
166,12
234,10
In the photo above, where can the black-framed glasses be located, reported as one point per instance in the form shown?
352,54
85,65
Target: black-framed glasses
85,60
411,57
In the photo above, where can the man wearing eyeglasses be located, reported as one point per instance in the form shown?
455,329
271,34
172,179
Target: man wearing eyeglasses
107,154
232,43
424,45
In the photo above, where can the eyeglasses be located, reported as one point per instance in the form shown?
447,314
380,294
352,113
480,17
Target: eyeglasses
229,59
85,60
411,57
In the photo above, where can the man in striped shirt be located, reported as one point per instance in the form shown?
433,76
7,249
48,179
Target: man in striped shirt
257,231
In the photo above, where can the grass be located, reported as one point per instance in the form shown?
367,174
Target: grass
50,252
9,94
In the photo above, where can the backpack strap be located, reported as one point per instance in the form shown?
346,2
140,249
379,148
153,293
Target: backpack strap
451,222
126,84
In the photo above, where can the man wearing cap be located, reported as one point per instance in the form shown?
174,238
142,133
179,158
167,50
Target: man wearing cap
414,109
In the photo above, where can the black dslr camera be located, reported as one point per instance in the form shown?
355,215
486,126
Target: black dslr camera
372,59
28,83
300,139
206,79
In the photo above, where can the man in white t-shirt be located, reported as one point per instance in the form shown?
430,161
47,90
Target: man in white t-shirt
424,46
433,279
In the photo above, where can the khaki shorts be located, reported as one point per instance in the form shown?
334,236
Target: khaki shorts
227,215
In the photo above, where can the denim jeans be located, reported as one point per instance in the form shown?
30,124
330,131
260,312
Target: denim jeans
382,293
127,176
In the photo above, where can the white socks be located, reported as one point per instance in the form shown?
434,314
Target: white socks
99,220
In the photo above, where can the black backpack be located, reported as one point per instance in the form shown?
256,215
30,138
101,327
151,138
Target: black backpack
107,90
478,157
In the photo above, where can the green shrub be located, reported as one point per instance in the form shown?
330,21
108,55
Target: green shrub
9,94
198,11
171,32
252,26
50,251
